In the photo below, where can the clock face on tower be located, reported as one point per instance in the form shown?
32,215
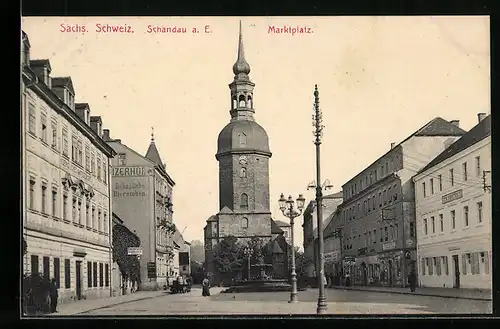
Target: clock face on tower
243,160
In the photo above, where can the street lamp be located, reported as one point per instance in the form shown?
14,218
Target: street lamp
288,210
248,252
318,134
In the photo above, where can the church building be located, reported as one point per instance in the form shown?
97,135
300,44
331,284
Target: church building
243,154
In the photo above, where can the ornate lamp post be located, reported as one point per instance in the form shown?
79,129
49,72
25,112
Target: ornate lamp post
288,210
248,252
318,133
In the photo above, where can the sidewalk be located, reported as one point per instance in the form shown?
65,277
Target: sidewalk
474,294
81,306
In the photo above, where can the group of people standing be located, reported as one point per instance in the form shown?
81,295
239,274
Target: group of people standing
40,295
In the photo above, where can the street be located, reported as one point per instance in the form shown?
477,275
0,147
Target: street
339,302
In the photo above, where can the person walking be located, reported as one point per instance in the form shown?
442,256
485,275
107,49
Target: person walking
412,281
205,287
54,295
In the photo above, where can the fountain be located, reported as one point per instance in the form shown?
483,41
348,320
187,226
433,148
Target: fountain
261,283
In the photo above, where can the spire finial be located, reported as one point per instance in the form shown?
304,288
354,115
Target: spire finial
152,134
241,65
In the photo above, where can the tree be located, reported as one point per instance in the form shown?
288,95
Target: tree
229,255
197,251
129,264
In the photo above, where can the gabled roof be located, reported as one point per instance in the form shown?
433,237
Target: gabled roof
82,106
41,63
281,223
212,218
275,229
436,127
63,82
153,154
225,210
276,249
475,135
334,195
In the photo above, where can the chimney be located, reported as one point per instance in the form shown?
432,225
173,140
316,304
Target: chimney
481,116
105,135
392,145
456,123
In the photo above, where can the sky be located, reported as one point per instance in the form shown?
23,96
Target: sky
379,80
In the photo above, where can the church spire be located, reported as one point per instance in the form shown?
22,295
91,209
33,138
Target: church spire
241,66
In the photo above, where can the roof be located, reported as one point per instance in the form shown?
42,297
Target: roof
255,138
41,63
225,210
82,106
475,135
275,229
25,39
334,195
96,118
177,238
276,248
212,218
63,82
153,154
436,127
281,223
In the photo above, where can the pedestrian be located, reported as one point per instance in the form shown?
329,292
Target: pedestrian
54,295
412,281
205,287
348,280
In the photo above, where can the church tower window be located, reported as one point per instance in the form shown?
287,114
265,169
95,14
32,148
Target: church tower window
234,102
249,102
244,201
243,172
244,222
242,101
243,138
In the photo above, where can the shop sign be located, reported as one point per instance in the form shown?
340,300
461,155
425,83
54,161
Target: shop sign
331,257
452,196
389,245
151,270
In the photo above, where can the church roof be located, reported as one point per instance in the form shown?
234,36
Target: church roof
275,229
225,210
241,67
243,135
153,154
276,248
212,218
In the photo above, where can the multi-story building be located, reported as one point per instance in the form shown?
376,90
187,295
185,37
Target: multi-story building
142,198
310,231
453,212
65,183
287,230
379,209
333,245
185,259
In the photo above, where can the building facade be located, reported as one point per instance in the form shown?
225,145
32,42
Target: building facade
142,198
185,259
379,233
65,181
310,231
453,211
243,155
333,246
287,230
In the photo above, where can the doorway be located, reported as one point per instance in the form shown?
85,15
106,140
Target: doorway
456,267
78,274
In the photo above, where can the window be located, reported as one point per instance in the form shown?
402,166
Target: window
423,266
437,263
243,172
87,215
99,222
94,224
441,223
412,229
376,171
89,274
452,178
425,226
423,189
464,169
430,265
122,159
46,267
32,119
386,234
73,217
380,199
98,168
396,230
57,272
382,171
34,264
466,216
431,183
485,262
87,157
92,163
74,152
94,274
54,134
452,213
440,179
478,166
44,199
106,275
54,202
67,273
480,212
32,194
101,275
371,178
444,262
433,224
244,201
43,119
104,172
65,206
243,138
65,142
105,223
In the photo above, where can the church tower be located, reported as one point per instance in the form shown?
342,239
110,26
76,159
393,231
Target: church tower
243,155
